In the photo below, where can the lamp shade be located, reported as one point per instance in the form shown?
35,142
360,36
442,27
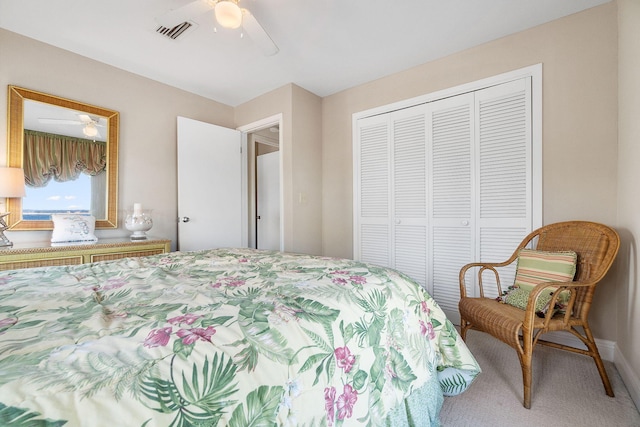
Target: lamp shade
228,14
11,182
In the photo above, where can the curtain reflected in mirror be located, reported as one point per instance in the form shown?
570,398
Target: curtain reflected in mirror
68,151
61,173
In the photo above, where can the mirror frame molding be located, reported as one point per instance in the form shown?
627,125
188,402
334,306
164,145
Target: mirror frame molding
17,96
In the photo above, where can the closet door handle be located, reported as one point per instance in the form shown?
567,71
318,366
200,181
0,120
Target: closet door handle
464,222
398,221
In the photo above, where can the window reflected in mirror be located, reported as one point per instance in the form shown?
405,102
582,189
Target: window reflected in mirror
64,161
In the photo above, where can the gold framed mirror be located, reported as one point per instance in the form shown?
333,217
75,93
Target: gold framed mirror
37,122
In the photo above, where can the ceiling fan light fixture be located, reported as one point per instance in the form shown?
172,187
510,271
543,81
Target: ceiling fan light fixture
228,14
90,130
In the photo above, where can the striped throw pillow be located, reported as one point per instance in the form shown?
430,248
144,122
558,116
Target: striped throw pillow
536,267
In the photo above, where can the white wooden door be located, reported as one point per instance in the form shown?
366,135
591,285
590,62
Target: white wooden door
481,185
451,196
505,179
372,207
392,205
268,201
409,189
209,186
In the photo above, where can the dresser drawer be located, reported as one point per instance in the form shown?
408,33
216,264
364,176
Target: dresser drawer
42,262
127,254
45,255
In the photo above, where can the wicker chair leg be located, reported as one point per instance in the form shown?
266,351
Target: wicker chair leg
463,329
596,357
525,363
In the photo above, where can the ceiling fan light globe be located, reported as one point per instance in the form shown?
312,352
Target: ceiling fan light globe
228,14
90,130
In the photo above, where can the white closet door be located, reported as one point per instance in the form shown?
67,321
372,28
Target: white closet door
392,198
451,142
372,178
409,189
505,171
446,183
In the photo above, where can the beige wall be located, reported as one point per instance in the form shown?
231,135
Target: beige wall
579,57
306,186
302,161
148,110
628,307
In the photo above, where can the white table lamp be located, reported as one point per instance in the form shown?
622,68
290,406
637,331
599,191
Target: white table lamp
11,185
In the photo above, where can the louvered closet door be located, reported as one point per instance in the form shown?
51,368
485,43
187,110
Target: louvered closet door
481,184
452,215
372,180
505,179
409,192
444,184
391,195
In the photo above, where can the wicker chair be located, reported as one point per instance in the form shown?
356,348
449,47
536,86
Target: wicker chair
596,246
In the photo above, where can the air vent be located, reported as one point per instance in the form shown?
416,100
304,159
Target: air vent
175,32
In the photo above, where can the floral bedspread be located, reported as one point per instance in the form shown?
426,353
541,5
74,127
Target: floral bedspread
225,337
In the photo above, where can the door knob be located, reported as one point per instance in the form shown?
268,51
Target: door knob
183,219
464,222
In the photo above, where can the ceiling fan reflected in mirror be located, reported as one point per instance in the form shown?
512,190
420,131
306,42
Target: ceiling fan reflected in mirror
90,124
228,14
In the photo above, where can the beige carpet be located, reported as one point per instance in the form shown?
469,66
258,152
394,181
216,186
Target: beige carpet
567,391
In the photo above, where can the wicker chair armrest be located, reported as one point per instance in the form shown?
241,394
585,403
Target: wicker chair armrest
484,266
560,286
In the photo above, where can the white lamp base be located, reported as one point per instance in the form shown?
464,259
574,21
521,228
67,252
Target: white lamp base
4,242
139,223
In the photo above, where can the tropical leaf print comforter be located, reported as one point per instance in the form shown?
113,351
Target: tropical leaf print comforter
225,337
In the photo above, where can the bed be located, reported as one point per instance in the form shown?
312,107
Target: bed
224,337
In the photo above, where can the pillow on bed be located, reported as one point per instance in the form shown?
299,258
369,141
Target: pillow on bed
73,228
536,267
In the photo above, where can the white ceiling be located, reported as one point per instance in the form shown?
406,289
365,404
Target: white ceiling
325,45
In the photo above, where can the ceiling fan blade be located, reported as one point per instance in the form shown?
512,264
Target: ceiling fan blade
97,121
184,13
258,34
60,122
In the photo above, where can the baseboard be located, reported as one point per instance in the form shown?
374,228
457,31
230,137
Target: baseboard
629,377
606,348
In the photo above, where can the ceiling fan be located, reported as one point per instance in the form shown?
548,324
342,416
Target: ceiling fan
90,124
228,15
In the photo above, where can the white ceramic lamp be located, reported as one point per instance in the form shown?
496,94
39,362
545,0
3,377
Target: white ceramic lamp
138,222
11,185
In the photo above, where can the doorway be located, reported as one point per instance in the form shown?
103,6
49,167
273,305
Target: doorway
264,201
267,185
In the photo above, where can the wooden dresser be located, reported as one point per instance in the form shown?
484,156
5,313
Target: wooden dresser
44,254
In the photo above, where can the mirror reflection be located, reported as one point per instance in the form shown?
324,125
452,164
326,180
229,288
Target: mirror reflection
64,161
68,151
